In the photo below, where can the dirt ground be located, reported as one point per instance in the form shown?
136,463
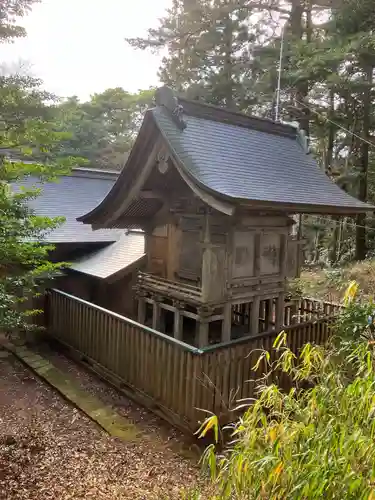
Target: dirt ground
143,418
50,450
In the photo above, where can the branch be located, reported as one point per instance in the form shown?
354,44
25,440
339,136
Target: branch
145,43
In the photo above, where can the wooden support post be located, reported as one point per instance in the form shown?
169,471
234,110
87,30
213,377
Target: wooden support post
162,319
255,305
280,309
294,310
206,259
178,321
203,326
299,256
202,333
141,310
226,334
254,326
178,325
155,316
268,315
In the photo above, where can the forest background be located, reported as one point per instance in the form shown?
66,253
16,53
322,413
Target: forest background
228,53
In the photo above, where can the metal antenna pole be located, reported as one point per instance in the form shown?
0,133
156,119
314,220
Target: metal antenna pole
277,111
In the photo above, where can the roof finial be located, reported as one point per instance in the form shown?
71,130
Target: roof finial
164,96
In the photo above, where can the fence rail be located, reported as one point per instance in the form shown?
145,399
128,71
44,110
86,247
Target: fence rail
176,289
171,377
307,309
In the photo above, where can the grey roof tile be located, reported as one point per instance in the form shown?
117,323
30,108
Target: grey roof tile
113,258
71,196
244,163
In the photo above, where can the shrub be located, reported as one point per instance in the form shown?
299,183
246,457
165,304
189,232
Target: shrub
308,443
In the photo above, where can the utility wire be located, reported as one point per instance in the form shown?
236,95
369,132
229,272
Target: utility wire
308,106
335,123
351,224
290,87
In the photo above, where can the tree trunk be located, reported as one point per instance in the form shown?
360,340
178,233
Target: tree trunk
331,132
333,247
297,31
361,233
228,64
316,249
333,250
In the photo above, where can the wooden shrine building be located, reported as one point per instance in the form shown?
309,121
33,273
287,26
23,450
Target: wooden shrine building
215,191
102,264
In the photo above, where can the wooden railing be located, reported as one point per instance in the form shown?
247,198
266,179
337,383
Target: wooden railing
295,312
172,378
307,309
177,290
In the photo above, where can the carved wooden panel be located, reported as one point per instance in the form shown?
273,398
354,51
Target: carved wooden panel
193,223
161,231
213,275
218,239
267,221
157,255
190,262
270,259
243,256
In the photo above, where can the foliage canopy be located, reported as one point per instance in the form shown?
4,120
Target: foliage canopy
28,145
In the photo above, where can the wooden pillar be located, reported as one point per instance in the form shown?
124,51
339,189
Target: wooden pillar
255,305
294,310
141,316
280,308
206,259
299,256
178,319
226,333
254,323
162,314
202,333
268,315
202,327
178,325
155,315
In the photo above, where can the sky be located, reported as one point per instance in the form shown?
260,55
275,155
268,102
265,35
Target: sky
77,47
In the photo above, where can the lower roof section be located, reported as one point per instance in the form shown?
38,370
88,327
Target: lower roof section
117,258
71,196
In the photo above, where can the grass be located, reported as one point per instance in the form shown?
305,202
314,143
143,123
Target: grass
316,440
330,284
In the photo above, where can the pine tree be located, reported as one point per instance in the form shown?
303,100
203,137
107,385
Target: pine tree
208,50
339,65
227,53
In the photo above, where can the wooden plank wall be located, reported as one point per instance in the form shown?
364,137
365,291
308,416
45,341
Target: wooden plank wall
174,379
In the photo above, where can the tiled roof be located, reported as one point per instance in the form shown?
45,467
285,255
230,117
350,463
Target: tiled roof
229,157
114,258
71,196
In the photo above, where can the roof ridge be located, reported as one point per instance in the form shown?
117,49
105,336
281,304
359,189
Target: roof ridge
211,112
93,173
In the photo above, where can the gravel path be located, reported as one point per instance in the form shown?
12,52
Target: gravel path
50,450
